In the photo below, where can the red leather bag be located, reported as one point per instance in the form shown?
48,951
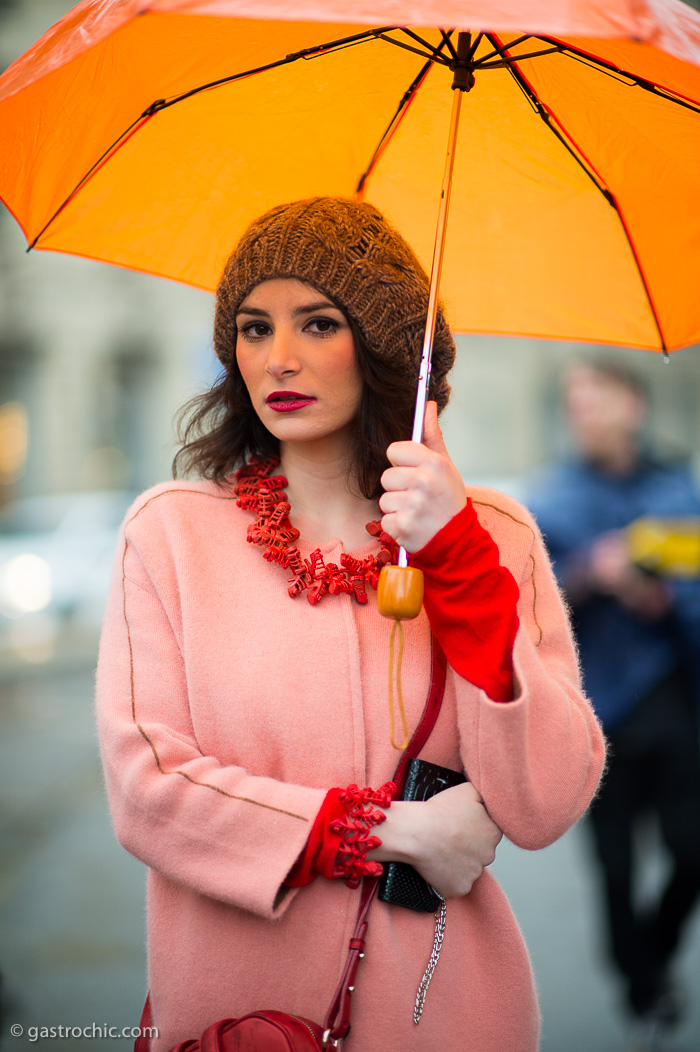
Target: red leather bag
271,1031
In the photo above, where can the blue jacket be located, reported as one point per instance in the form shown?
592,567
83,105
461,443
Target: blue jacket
622,656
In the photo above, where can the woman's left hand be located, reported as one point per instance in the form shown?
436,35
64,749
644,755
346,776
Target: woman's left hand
423,489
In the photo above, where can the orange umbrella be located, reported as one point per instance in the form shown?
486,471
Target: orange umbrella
148,133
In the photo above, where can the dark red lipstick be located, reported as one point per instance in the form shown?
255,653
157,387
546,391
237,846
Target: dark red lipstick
288,401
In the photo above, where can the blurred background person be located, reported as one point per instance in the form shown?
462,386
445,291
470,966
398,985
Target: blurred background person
639,636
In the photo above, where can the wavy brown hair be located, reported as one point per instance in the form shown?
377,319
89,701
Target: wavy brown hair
220,429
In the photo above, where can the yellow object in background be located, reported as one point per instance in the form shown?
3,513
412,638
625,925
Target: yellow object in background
14,442
670,547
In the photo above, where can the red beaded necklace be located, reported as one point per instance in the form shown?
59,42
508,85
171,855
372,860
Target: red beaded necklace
273,531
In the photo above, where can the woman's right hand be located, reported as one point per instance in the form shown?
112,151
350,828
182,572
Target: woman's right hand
449,839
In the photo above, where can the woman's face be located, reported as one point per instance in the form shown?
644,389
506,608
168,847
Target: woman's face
296,354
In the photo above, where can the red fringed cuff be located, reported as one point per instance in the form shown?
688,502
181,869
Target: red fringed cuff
340,838
353,828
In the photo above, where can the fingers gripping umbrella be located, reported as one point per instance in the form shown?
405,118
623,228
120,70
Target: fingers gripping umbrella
148,133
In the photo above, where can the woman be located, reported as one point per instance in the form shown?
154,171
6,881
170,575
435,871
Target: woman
231,715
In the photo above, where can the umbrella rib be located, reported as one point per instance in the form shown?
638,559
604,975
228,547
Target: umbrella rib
406,98
475,43
447,42
585,58
434,50
501,49
433,53
468,56
162,104
124,137
616,73
316,51
539,108
502,63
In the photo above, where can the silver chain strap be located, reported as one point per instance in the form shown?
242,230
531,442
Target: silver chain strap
440,918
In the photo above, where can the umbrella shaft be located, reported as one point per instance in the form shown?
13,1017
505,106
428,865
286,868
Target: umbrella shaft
424,373
438,251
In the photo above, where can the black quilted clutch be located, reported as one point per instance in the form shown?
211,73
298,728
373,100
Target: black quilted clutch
401,884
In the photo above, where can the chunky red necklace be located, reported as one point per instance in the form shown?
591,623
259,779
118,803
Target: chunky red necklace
264,494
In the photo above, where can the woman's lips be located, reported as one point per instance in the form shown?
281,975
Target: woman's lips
288,401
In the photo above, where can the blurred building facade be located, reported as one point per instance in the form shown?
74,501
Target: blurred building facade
95,361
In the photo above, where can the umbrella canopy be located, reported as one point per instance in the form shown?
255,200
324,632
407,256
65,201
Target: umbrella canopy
148,133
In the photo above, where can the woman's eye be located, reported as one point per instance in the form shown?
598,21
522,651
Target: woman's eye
323,326
254,330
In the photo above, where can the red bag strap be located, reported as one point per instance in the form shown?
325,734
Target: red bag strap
438,673
337,1022
143,1041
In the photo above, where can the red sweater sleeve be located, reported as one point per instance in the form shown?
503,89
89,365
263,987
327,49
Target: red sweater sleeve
470,600
319,855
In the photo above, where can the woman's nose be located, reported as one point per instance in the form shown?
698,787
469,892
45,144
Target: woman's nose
282,359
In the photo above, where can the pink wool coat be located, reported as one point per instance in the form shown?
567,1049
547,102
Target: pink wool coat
227,709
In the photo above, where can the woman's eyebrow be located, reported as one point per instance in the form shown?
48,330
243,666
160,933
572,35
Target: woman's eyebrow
307,308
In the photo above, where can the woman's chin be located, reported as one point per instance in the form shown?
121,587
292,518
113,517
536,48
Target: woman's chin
293,429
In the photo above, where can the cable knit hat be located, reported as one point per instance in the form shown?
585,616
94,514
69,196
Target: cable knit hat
348,251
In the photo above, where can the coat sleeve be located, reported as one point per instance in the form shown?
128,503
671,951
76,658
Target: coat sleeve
536,760
211,827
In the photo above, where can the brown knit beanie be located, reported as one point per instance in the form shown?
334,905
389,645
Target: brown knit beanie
348,251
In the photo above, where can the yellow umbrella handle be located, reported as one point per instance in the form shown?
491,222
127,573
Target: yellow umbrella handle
399,596
400,592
